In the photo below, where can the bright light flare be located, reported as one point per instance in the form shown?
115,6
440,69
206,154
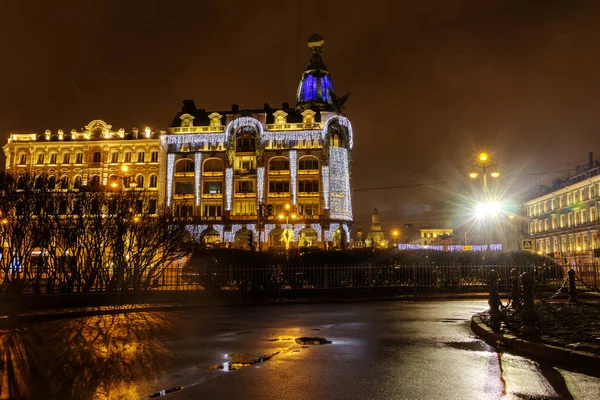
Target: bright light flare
489,209
473,174
495,174
483,156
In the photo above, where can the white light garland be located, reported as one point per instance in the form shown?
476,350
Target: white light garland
219,228
230,236
325,177
346,229
170,164
293,167
268,229
197,174
451,248
228,188
211,138
339,184
311,135
196,230
317,228
343,121
260,182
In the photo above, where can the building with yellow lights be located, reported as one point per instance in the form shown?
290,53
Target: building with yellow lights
221,166
434,236
563,222
94,156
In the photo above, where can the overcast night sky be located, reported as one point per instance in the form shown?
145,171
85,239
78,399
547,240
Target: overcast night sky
432,82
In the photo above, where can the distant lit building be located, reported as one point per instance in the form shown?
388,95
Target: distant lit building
220,165
564,222
434,235
376,236
94,156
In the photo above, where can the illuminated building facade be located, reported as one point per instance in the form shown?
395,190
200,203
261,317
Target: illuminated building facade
221,165
94,156
564,221
429,236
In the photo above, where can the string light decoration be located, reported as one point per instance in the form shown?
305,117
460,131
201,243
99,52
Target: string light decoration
220,230
170,164
212,139
228,187
339,184
346,229
293,168
451,248
312,136
197,174
267,232
230,236
325,178
196,231
343,121
317,228
260,182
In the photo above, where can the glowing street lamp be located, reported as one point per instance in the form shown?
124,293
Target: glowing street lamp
483,162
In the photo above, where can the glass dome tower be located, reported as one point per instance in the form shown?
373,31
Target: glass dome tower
314,90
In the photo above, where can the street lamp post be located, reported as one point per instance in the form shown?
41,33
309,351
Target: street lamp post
395,234
484,164
125,179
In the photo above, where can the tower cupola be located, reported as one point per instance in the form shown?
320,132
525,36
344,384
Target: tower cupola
314,90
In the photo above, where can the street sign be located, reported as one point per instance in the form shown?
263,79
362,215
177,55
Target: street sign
527,244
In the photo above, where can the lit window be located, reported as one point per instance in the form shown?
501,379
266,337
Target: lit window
141,157
40,159
279,186
23,159
212,210
97,157
245,186
79,158
153,181
184,165
140,181
53,158
154,156
311,186
127,157
114,157
212,188
308,163
66,158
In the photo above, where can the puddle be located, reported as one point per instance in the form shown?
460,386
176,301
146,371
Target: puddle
471,346
237,361
312,341
165,392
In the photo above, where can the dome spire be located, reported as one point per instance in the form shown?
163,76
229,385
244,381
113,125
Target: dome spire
314,90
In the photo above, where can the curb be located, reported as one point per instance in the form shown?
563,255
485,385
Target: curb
530,348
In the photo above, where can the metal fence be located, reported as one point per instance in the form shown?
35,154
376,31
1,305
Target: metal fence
283,279
288,279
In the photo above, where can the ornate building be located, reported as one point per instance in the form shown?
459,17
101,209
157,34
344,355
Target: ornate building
94,156
431,236
222,165
563,222
376,237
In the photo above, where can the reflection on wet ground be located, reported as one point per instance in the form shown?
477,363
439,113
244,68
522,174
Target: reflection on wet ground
97,357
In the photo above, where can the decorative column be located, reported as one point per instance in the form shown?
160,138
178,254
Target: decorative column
293,169
228,188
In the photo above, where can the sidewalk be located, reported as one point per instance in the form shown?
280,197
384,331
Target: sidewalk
569,333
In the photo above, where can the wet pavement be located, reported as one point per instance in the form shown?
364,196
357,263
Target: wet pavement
387,350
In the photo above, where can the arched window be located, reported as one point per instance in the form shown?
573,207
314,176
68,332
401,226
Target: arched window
153,181
336,135
307,163
64,182
21,182
39,182
52,182
245,141
94,181
140,181
184,165
279,164
213,165
77,182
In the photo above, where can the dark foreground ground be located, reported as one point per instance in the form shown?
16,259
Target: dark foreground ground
389,350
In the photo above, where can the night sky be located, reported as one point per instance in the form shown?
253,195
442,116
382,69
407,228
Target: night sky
432,82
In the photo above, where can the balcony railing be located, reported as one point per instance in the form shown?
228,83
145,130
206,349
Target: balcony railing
279,172
212,195
279,194
244,195
184,174
308,172
212,173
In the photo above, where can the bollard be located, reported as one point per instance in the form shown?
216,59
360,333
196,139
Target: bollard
572,286
516,289
529,317
494,302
